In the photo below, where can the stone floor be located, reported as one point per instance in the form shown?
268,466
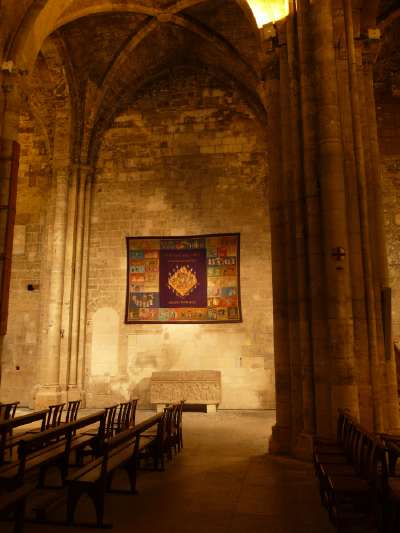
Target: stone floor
222,482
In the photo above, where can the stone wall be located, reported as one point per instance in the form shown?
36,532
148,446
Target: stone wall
187,157
21,354
389,136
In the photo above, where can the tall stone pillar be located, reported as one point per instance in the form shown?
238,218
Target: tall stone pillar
281,435
50,390
329,212
84,280
79,298
338,295
69,279
388,387
9,162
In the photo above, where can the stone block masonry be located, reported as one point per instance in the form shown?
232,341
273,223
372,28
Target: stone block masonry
186,157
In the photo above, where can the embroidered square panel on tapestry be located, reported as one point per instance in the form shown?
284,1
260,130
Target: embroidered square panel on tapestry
183,279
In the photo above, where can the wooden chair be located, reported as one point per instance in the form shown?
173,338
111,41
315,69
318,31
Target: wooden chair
7,410
72,410
7,440
390,490
95,478
158,444
53,418
132,417
350,499
106,431
174,431
123,418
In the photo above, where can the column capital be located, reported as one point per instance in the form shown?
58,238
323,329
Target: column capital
370,47
87,173
10,78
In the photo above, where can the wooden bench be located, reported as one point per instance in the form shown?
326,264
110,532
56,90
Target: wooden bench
126,415
14,501
37,451
72,410
95,478
7,410
350,472
8,440
51,446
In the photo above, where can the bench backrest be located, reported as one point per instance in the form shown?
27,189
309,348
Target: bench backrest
107,428
7,426
18,421
52,437
53,418
72,410
7,410
126,415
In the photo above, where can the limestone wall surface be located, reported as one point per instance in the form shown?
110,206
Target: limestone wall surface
388,116
21,353
187,157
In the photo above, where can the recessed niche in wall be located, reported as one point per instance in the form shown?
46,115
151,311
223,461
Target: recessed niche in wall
19,240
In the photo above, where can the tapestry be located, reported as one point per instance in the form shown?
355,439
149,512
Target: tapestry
183,279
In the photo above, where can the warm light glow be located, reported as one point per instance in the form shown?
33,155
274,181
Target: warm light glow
266,11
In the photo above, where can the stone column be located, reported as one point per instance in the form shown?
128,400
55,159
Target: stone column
69,278
290,248
281,434
9,160
377,234
300,107
49,391
84,280
338,296
84,194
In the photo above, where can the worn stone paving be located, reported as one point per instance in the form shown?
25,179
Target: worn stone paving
222,482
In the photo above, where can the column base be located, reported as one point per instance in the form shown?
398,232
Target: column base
75,393
280,440
46,395
304,447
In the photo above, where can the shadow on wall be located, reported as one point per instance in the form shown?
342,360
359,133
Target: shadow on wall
142,391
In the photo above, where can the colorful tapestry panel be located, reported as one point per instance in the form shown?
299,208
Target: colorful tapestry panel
183,279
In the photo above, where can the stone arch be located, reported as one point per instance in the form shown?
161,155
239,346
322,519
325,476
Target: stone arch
107,114
45,16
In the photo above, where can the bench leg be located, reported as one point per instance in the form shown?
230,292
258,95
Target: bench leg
131,471
73,498
19,516
97,495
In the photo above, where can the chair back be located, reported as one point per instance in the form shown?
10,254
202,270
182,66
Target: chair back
108,426
53,418
7,410
72,410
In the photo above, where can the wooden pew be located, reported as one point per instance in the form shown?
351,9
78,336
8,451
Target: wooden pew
14,501
126,415
351,475
7,427
35,453
72,410
95,478
7,410
51,446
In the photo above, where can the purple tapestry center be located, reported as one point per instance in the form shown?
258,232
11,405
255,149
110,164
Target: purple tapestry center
183,278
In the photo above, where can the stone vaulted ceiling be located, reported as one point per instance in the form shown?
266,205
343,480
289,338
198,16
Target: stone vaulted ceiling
387,68
114,54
